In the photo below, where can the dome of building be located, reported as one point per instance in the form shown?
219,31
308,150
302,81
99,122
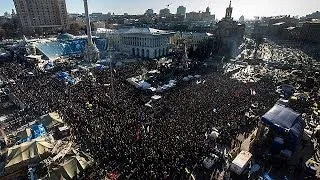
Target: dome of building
65,36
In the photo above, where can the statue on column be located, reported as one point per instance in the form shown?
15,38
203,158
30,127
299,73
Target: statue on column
91,53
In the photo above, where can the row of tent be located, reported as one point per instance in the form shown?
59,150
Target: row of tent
145,85
41,127
39,149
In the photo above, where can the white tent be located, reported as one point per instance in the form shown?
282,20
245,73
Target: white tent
144,85
190,77
214,135
155,97
69,169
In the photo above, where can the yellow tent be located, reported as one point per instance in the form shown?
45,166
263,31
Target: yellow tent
27,151
69,169
52,119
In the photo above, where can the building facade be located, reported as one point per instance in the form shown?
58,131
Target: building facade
41,14
181,10
230,33
310,31
139,42
205,16
164,12
193,16
193,39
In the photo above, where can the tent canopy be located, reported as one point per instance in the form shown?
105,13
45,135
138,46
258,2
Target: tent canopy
27,151
62,75
51,120
284,120
70,168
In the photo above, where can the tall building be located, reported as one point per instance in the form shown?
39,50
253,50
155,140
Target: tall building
229,33
149,12
41,14
229,12
181,10
206,16
164,12
201,16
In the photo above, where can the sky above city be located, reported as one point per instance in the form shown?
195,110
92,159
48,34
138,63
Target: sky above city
248,8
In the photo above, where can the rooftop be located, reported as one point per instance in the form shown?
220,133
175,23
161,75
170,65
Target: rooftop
135,30
278,24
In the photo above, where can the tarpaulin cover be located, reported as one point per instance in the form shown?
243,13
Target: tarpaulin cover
62,75
49,65
283,120
38,131
51,120
267,176
100,67
27,151
69,47
69,169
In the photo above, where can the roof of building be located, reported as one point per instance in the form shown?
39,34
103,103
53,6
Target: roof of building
150,31
196,34
65,36
278,24
291,28
76,46
134,30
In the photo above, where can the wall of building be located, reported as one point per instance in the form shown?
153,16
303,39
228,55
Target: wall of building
193,39
310,31
42,13
138,44
145,46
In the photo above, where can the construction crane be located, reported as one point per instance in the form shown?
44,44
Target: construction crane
168,5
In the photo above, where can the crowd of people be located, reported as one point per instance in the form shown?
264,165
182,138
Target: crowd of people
128,139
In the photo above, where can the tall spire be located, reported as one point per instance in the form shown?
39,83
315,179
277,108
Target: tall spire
229,12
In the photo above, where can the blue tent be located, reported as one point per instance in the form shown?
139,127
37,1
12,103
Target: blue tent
285,120
71,80
38,130
267,176
62,75
100,67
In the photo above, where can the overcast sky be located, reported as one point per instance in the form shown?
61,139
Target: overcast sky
248,8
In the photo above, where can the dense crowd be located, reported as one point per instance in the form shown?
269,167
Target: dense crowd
126,137
131,140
